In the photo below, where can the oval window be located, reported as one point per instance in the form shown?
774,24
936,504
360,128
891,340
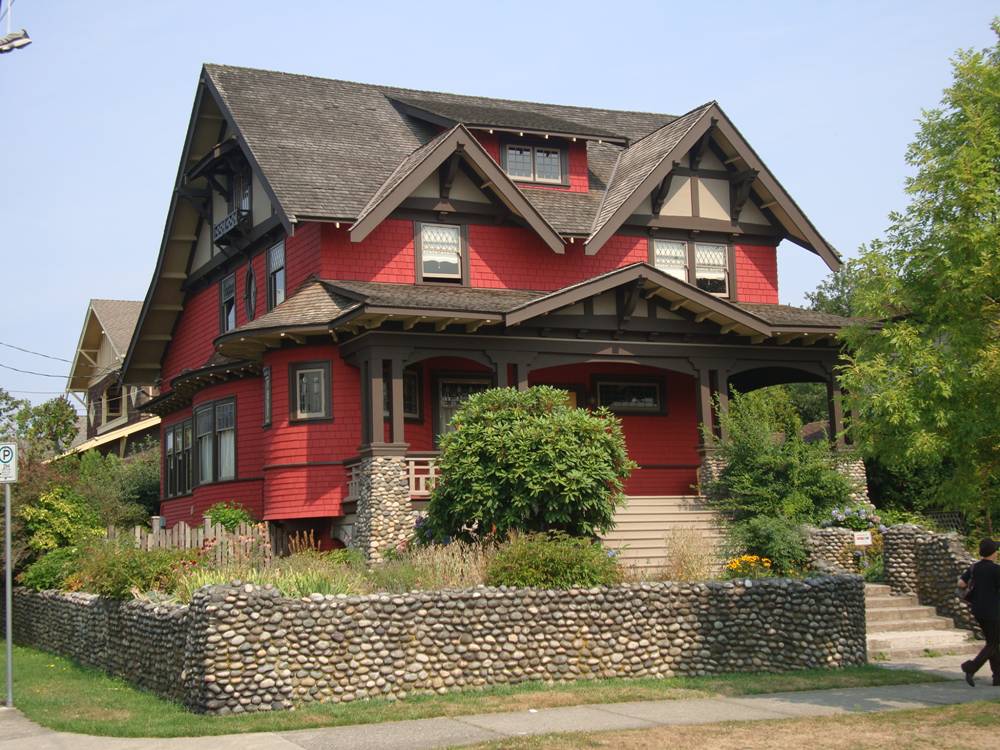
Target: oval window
250,294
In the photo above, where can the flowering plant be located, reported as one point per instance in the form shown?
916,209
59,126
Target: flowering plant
854,517
748,566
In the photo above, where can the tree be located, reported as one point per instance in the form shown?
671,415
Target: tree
923,385
47,428
527,461
835,294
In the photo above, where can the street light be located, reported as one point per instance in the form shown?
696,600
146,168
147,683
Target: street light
13,41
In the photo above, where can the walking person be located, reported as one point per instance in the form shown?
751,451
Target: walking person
984,580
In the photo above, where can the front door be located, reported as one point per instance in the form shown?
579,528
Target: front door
452,393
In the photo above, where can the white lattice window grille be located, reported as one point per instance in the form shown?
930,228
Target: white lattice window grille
712,268
670,256
441,251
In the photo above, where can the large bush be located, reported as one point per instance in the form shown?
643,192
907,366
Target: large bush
526,461
51,570
769,470
230,514
780,540
59,518
552,561
119,570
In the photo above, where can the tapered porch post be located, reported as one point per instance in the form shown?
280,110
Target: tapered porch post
704,393
835,410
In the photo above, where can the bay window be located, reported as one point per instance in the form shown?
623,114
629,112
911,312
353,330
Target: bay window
225,433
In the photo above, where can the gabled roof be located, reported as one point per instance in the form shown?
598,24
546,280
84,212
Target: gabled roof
114,319
424,162
643,165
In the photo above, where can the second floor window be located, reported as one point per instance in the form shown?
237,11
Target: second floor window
670,256
441,252
534,163
276,275
711,268
309,391
227,301
250,294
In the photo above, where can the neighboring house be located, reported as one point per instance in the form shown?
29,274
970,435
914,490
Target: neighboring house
344,263
115,420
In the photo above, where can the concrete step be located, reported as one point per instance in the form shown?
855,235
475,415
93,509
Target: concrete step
881,614
920,640
882,602
882,589
917,623
902,654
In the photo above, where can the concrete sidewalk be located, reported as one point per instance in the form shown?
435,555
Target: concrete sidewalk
17,733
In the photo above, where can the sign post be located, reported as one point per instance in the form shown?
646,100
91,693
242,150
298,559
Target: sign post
8,475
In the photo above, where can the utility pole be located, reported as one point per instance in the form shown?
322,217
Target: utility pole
8,475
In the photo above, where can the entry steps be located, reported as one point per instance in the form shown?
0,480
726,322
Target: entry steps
900,628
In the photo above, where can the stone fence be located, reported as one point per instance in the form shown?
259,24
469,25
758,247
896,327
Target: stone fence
928,564
242,648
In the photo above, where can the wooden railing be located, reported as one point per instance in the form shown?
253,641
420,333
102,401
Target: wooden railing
421,473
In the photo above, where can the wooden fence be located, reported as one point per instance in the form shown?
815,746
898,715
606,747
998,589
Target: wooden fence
248,542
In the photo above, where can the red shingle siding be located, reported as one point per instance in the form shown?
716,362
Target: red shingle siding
385,255
757,274
420,435
196,328
513,258
303,253
666,446
300,479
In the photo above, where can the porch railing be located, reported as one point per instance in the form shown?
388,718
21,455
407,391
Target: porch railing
421,473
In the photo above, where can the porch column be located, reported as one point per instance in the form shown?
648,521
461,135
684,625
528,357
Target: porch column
722,388
522,376
835,410
384,518
704,392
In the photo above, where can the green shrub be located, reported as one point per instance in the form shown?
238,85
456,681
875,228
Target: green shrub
552,561
51,570
60,517
780,540
769,470
526,461
230,514
118,570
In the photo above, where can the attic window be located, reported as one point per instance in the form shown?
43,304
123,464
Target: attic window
670,256
441,252
711,264
527,162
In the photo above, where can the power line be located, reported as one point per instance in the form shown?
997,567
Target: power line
38,393
31,372
37,354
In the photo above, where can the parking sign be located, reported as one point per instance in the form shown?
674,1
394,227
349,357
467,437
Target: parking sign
8,463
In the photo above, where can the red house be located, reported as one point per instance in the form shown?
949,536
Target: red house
342,264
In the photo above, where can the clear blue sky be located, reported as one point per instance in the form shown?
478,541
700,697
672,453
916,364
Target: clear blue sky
94,113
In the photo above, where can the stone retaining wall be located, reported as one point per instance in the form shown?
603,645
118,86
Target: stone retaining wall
831,550
928,564
244,648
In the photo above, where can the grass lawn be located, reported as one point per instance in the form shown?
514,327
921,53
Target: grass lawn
57,694
964,727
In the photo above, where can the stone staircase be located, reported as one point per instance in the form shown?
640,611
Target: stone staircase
900,628
643,525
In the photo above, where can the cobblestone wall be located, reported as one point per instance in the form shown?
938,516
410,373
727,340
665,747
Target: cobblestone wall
831,550
384,518
928,564
242,648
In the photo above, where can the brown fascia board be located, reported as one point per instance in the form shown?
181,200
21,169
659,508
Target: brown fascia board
577,292
626,209
815,242
168,223
79,346
460,139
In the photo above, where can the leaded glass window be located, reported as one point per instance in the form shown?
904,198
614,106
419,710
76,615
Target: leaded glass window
441,251
670,256
712,268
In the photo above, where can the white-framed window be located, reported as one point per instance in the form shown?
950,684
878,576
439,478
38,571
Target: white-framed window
227,302
670,256
225,435
276,275
309,391
711,268
441,251
533,163
204,434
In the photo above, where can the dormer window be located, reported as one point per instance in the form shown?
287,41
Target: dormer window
530,162
670,256
440,253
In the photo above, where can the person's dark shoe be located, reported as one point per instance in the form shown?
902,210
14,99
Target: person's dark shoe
968,675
